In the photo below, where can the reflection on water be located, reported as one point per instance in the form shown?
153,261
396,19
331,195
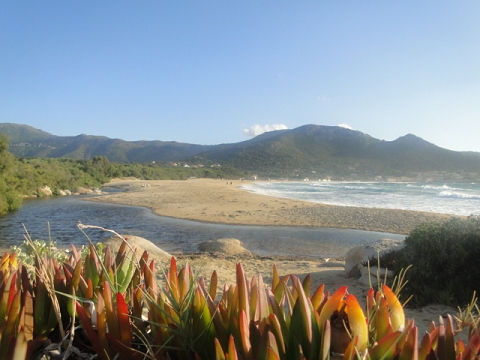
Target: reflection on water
57,218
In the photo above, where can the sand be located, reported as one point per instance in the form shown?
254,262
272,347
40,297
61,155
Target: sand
224,202
217,201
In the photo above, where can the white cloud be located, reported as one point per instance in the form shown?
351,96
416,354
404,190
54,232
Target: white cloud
256,130
345,126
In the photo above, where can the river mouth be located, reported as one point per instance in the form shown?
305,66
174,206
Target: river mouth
57,219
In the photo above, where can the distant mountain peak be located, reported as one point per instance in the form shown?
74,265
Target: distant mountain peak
24,133
413,140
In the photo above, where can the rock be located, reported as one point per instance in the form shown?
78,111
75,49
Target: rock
371,278
354,273
82,191
357,256
67,192
227,246
140,245
45,191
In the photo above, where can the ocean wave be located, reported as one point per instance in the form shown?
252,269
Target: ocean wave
438,187
448,198
322,185
350,187
458,195
341,185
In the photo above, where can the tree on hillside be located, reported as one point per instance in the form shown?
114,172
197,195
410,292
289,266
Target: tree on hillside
100,169
9,197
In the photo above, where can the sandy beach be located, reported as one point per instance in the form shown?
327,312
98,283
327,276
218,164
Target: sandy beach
217,201
224,202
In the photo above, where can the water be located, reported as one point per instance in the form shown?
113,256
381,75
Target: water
62,214
445,198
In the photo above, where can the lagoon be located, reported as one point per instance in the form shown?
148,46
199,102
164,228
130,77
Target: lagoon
57,218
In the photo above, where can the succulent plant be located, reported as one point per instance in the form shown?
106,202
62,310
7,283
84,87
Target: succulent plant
114,306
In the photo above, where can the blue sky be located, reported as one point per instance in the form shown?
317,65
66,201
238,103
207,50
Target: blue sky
211,72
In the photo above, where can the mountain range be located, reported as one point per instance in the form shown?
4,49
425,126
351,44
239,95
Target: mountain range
314,151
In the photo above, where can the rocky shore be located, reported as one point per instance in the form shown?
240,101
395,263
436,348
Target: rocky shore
46,191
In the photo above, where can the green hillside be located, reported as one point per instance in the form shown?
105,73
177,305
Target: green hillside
342,153
312,151
28,142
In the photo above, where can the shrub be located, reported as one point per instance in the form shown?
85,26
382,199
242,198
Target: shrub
445,261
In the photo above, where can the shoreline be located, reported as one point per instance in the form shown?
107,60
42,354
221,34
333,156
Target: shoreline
225,202
213,201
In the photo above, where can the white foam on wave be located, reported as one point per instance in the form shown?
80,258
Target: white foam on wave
437,187
450,198
458,195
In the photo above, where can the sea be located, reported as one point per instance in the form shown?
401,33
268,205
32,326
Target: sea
445,198
56,218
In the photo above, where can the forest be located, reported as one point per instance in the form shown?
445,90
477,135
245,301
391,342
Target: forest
23,177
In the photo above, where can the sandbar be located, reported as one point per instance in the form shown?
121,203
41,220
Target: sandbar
226,202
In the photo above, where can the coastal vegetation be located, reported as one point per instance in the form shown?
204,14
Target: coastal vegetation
25,177
443,256
110,306
9,197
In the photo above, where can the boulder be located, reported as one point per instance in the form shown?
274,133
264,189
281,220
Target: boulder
359,255
82,191
140,245
371,277
227,246
45,190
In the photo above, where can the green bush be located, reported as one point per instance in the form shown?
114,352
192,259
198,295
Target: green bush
445,258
